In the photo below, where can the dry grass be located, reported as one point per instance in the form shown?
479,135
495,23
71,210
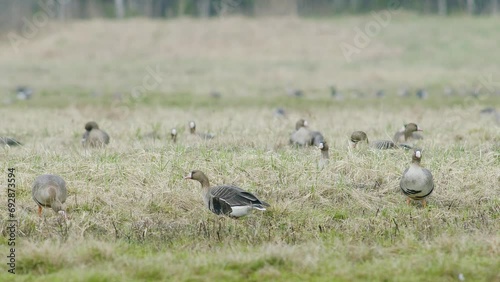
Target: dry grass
133,217
130,207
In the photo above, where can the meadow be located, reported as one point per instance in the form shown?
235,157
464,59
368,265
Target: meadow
134,218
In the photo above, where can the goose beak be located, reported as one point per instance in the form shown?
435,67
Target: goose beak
187,177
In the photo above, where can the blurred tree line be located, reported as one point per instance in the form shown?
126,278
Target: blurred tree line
13,11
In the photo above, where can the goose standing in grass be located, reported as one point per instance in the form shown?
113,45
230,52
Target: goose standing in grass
302,135
93,136
50,191
359,137
305,137
192,130
9,141
416,182
227,199
323,161
408,132
173,135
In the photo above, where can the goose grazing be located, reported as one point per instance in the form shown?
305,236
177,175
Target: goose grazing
50,191
305,137
9,141
416,182
93,136
323,146
227,199
408,132
173,135
192,130
358,137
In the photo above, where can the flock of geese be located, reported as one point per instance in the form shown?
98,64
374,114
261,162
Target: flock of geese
416,182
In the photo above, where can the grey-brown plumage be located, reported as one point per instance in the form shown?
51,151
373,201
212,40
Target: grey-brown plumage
9,141
192,130
360,137
305,137
407,133
49,191
227,199
417,182
93,136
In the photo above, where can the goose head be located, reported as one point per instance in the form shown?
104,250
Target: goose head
173,134
417,156
200,177
192,127
409,129
91,125
323,146
300,123
358,136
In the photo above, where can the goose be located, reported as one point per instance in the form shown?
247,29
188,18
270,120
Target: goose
50,191
416,182
408,132
302,135
9,141
173,134
192,130
24,93
93,136
323,146
305,137
360,136
227,199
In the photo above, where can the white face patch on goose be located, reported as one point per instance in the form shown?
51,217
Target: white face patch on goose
191,124
305,122
418,154
174,131
321,146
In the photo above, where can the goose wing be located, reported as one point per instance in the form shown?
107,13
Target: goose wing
234,196
383,144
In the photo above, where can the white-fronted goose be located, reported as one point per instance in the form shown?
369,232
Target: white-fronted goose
359,137
192,130
93,136
24,93
305,137
173,135
417,182
408,132
302,135
422,94
323,161
227,199
9,141
50,191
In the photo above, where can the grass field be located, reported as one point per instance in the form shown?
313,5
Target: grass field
134,218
